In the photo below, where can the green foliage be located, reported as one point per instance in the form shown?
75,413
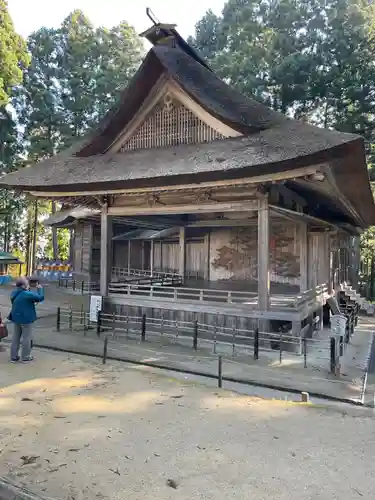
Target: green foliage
311,59
76,74
13,55
63,244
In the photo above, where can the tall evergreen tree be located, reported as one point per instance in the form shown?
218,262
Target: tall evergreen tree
13,54
76,74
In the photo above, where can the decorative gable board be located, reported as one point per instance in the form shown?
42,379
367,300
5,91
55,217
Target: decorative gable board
170,123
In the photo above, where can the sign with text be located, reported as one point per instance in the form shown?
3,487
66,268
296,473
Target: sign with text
95,306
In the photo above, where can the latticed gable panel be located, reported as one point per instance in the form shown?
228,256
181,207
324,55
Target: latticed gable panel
170,123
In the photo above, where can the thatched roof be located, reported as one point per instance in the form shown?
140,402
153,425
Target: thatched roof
284,147
271,143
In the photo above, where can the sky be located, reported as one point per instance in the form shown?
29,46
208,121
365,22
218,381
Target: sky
30,15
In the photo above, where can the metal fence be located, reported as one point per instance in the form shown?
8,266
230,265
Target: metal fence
199,336
78,286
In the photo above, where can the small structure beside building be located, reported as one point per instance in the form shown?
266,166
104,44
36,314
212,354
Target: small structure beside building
7,259
191,199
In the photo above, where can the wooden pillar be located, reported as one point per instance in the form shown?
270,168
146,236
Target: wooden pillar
330,264
105,250
142,255
263,255
207,240
161,255
129,256
355,262
152,257
182,262
303,256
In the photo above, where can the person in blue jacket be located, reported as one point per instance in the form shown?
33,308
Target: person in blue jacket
23,315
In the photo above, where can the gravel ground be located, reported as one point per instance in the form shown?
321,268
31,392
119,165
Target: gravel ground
76,430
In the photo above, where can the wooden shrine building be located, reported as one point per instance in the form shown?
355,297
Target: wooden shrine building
191,198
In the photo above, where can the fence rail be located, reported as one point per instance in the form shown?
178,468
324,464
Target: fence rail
168,286
182,293
80,286
121,272
309,297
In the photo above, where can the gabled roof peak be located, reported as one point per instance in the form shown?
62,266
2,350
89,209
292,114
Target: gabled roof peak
166,34
159,33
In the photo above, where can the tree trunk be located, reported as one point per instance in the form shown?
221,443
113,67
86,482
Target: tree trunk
28,244
55,247
35,233
6,233
71,245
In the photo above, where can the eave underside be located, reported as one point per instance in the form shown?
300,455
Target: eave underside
315,202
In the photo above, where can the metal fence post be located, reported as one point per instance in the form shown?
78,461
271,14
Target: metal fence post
82,287
99,323
341,345
85,327
305,351
74,285
220,372
195,335
281,348
58,319
347,330
256,343
143,330
105,349
333,355
113,325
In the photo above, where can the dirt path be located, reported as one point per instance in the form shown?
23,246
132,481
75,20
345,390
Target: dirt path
75,430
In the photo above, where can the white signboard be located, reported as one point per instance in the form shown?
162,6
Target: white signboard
95,307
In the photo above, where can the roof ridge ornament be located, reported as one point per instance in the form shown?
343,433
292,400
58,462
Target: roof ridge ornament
152,16
159,33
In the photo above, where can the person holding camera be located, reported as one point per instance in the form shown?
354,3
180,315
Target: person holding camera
23,315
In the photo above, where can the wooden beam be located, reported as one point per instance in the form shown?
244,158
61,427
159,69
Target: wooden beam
224,223
264,255
288,194
182,242
260,179
303,255
105,250
297,216
244,311
239,206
